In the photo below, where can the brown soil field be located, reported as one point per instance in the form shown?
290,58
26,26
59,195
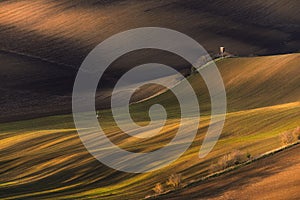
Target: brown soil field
65,31
274,177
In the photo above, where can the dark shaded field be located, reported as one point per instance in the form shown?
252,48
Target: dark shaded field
53,38
65,31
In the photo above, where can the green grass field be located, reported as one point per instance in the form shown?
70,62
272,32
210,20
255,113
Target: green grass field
44,158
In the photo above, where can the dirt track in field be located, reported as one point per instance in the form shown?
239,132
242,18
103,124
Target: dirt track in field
274,177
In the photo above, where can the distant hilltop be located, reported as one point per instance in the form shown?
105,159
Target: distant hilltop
65,31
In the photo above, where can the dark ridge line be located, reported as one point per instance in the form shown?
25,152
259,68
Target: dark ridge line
37,58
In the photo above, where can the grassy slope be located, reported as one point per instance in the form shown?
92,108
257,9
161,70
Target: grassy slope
44,156
249,83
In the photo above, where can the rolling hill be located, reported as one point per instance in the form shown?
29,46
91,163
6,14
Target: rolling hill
29,90
66,31
42,45
250,82
53,38
31,87
44,157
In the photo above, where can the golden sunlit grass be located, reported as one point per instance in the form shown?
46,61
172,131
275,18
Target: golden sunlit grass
41,155
45,158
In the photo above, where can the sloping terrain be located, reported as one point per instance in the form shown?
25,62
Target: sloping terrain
65,31
249,83
44,158
275,177
59,35
32,88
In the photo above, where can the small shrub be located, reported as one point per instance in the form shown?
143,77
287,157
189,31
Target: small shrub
234,158
193,70
249,156
296,133
224,161
287,137
238,157
174,181
215,167
159,188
